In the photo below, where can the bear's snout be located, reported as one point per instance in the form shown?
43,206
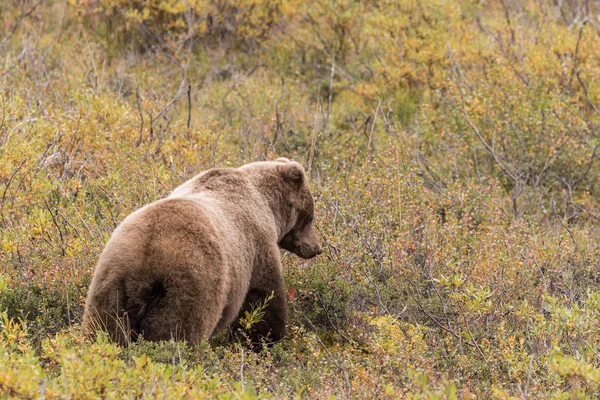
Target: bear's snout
309,251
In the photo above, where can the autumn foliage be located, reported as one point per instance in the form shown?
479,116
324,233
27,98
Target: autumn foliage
452,147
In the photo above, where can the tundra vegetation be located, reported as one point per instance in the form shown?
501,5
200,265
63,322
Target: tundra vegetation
453,147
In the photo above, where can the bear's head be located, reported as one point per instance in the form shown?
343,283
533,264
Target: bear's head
285,186
299,235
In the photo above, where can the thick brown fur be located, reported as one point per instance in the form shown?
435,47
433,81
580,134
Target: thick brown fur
183,267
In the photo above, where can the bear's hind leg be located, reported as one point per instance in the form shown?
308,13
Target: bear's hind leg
178,304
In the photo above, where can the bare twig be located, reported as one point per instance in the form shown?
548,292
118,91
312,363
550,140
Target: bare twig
434,319
314,138
139,104
242,368
589,167
62,239
507,17
25,121
587,94
574,69
334,326
24,14
11,178
189,96
184,87
346,381
170,104
378,294
489,148
278,122
371,145
326,121
475,344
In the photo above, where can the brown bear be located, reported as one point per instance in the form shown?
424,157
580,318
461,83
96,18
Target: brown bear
185,267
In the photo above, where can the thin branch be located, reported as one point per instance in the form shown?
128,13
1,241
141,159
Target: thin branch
20,19
489,148
589,167
475,344
587,94
346,381
11,178
62,239
139,104
326,121
507,16
278,123
371,145
242,368
575,69
189,96
434,319
314,138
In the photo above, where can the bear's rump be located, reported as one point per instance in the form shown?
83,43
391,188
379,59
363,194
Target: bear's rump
179,289
163,276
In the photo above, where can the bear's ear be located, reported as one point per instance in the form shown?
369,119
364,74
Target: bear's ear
283,160
292,173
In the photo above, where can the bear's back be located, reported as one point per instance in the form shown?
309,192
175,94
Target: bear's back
221,180
234,201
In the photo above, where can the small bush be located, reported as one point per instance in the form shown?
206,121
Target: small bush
149,24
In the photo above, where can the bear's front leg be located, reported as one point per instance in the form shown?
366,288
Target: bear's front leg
272,326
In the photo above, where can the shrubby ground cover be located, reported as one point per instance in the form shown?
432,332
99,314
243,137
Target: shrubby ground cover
452,147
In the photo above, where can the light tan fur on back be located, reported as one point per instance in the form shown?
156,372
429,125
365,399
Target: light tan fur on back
184,267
